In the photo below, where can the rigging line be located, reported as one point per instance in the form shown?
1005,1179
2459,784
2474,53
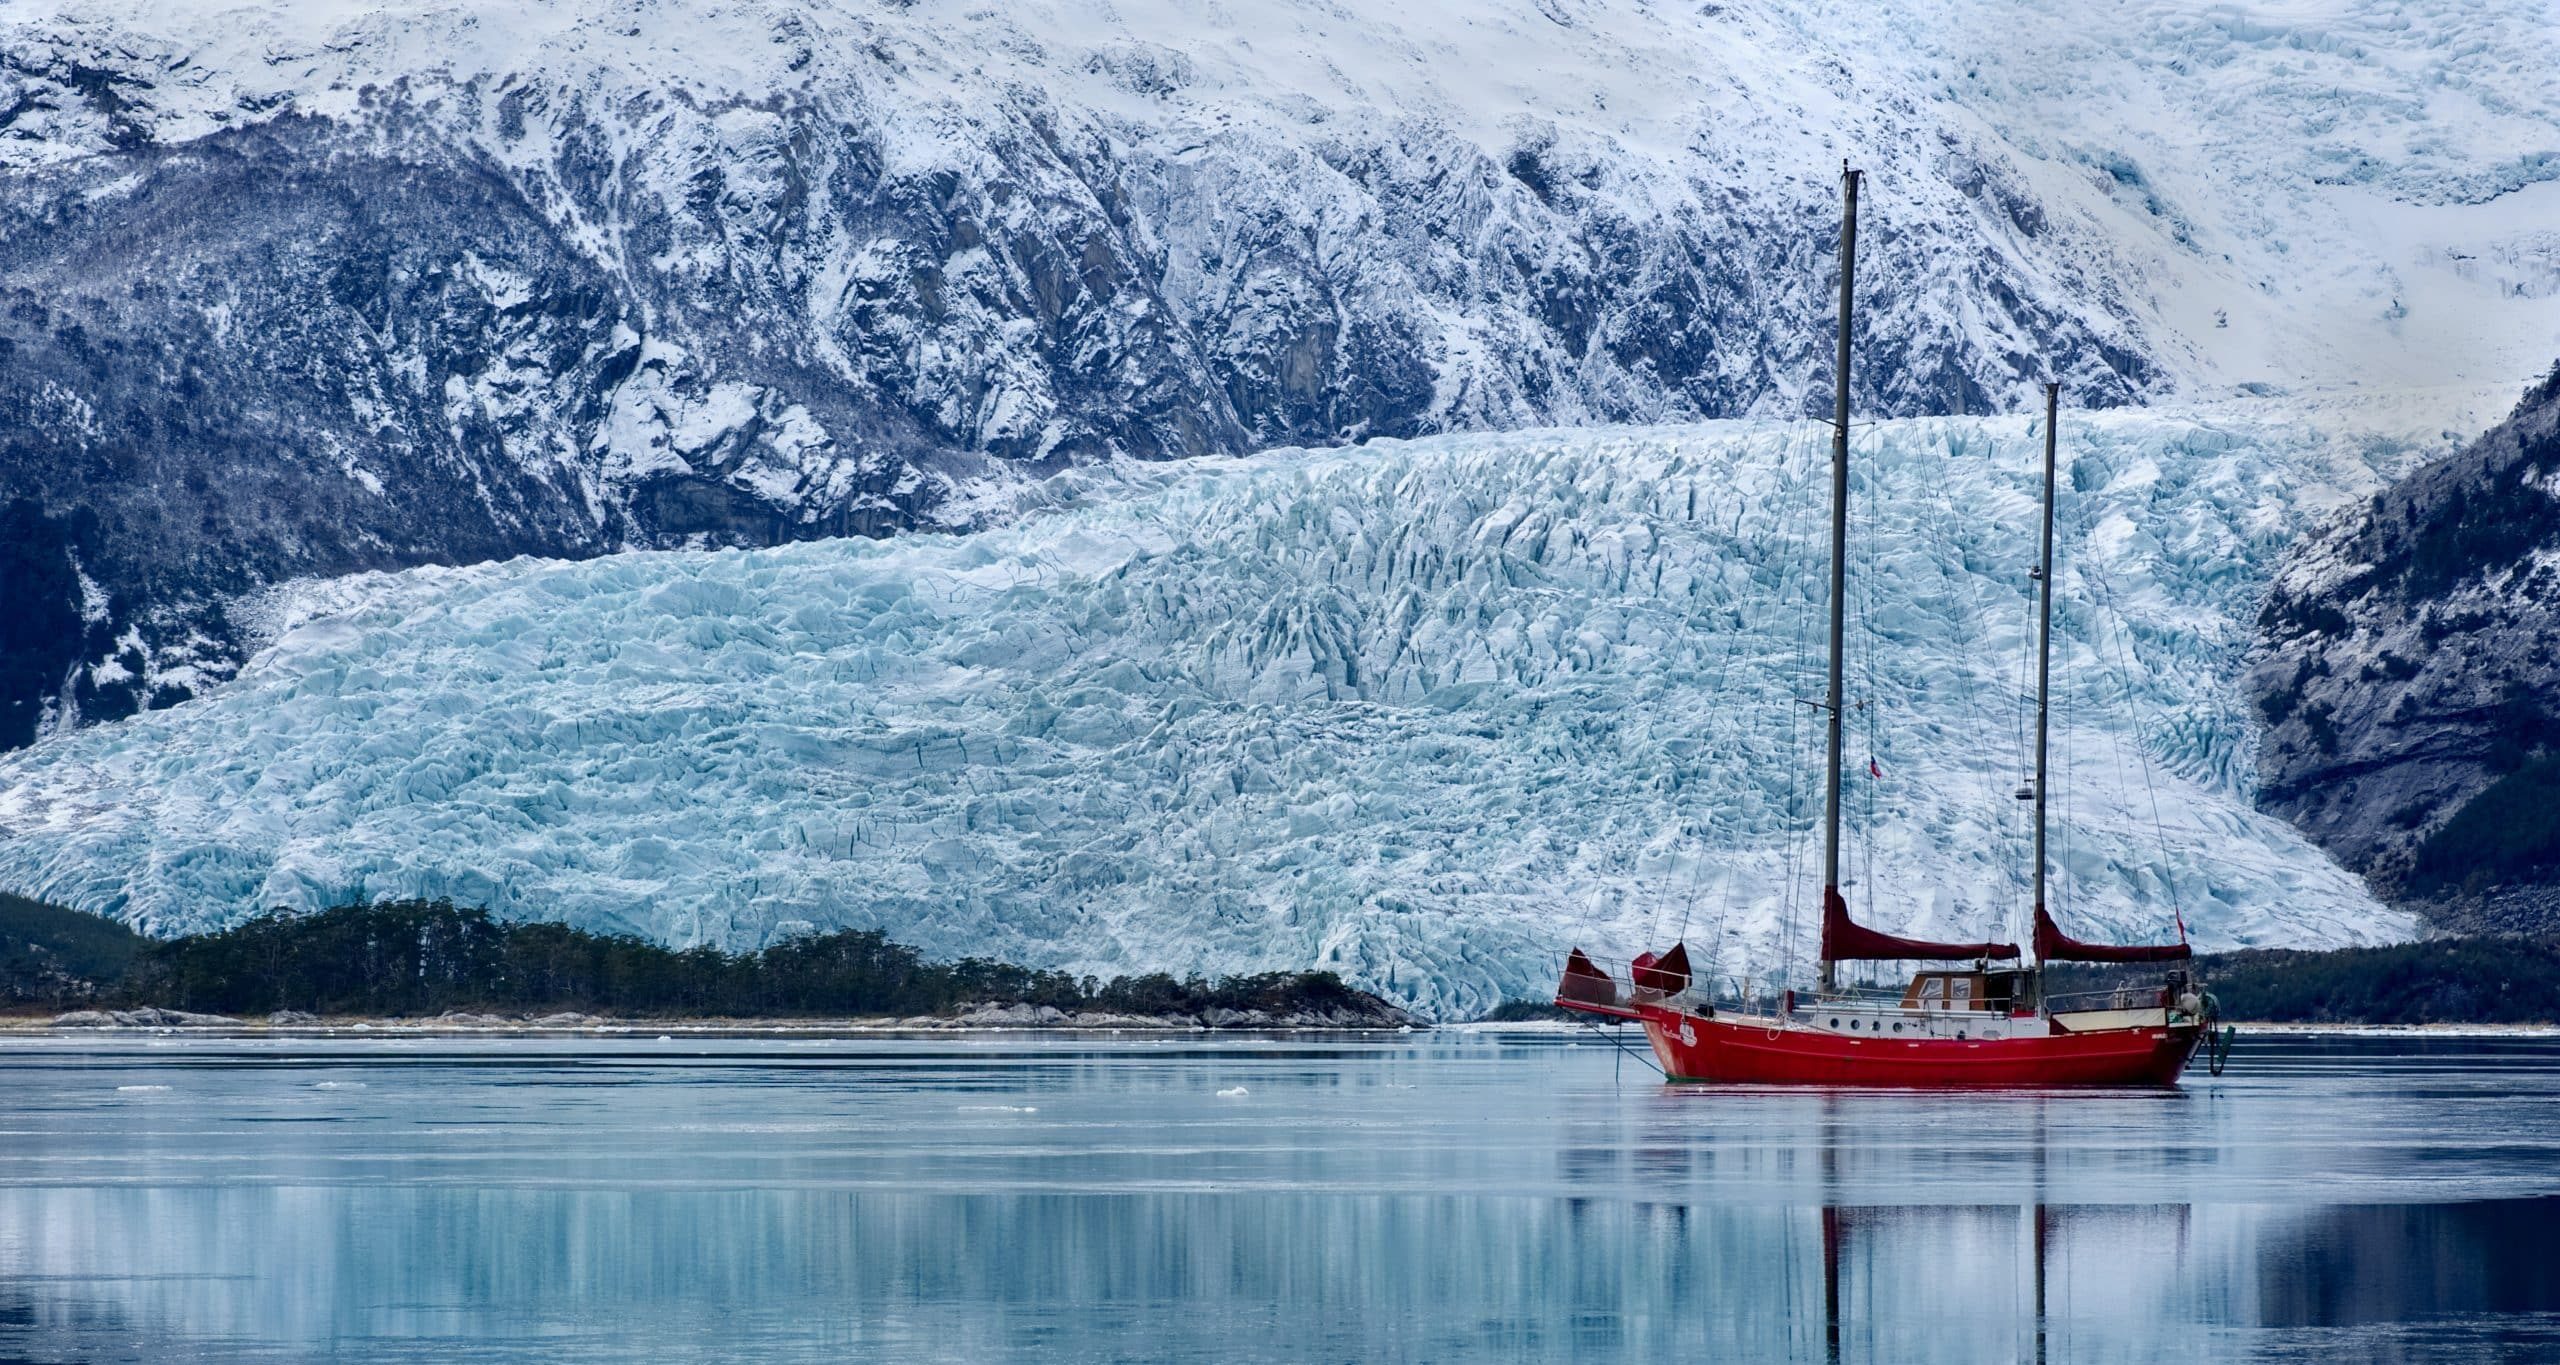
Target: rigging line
1981,717
1870,704
2069,885
1785,553
1624,1051
2129,642
1811,565
2017,818
2098,587
1752,621
1696,840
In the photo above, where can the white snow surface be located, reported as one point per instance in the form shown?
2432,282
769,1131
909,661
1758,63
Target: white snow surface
2299,193
1424,712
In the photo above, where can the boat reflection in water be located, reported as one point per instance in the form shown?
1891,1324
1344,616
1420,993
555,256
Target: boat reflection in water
685,1275
2078,1282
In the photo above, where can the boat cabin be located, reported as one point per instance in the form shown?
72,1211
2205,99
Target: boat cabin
1998,992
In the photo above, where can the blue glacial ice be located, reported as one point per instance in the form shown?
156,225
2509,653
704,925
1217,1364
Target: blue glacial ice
1424,712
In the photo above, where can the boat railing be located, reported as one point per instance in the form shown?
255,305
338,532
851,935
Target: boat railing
2110,998
1613,985
1619,984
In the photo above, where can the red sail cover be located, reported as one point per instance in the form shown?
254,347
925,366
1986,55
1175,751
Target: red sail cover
1585,982
1846,940
1668,973
2052,945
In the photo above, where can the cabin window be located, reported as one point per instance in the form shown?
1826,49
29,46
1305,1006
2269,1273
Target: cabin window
1961,991
1933,992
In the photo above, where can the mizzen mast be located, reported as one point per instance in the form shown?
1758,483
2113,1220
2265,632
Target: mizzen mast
2044,637
1839,556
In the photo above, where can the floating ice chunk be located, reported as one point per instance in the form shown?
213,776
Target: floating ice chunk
1233,1092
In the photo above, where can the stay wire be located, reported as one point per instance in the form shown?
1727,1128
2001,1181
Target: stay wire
2142,747
1974,700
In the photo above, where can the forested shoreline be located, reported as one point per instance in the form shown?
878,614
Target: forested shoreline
423,958
410,959
2432,981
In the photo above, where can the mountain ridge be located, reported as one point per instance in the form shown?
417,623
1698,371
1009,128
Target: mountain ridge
297,290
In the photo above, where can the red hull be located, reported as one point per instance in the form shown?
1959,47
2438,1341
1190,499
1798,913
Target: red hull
1696,1048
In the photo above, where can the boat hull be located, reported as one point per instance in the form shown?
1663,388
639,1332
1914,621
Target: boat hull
1747,1051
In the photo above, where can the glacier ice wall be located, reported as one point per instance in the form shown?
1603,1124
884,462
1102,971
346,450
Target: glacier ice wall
1425,712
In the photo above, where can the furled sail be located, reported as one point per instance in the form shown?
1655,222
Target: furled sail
2053,945
1586,983
1846,940
1664,975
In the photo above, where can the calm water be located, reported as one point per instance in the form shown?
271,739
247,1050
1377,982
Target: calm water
1424,1196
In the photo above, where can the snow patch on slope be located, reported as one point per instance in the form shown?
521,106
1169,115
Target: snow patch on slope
1423,712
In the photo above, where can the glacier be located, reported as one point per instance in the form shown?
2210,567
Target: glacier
1422,711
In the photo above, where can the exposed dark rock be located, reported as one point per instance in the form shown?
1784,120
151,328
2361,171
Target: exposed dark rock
2408,672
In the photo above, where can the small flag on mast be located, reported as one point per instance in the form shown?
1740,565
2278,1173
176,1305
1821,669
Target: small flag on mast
1873,770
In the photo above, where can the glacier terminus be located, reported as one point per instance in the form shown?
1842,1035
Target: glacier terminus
1417,711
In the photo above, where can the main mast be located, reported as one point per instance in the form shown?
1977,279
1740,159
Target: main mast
2044,634
1839,551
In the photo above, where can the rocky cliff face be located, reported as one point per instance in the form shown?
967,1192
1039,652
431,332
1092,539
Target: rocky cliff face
288,290
2408,671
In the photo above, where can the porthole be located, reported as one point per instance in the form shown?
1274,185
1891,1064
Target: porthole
1835,1023
1959,1035
1897,1028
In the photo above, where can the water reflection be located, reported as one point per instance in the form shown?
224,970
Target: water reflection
1430,1198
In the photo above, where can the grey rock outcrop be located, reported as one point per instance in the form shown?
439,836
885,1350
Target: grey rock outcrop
2408,674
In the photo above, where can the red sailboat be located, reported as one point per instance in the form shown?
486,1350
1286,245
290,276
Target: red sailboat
1986,1022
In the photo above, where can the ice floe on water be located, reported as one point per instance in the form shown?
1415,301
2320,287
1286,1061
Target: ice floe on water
1423,712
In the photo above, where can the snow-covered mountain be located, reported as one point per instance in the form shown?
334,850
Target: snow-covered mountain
1425,711
306,287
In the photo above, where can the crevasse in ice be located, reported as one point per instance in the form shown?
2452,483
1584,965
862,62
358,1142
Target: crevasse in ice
1423,712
